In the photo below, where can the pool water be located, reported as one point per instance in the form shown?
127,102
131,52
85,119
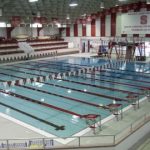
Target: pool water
57,106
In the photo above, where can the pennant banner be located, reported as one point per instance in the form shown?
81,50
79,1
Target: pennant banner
21,82
5,84
28,81
9,83
43,20
15,21
36,19
53,76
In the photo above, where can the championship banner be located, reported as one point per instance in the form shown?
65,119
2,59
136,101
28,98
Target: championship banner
135,23
37,19
43,20
15,21
55,20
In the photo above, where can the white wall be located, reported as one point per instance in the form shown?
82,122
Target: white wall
63,33
3,32
108,25
88,29
98,26
24,31
71,30
118,24
47,31
19,31
79,29
30,31
75,40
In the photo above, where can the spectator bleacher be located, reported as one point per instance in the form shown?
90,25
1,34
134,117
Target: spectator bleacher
10,51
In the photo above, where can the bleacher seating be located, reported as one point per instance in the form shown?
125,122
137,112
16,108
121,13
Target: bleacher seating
10,51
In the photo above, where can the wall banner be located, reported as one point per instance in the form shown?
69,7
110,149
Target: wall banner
135,23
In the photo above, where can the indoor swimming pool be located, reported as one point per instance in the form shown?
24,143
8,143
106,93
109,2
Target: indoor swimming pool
57,106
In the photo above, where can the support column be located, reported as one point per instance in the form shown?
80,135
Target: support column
8,32
38,31
68,31
103,18
113,24
83,30
93,28
75,29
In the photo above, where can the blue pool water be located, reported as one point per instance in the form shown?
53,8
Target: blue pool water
75,95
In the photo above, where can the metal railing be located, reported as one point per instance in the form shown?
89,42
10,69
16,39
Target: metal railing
74,142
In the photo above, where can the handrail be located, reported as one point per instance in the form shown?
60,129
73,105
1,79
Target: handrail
75,141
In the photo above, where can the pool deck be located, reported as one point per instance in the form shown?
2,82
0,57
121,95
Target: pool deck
11,130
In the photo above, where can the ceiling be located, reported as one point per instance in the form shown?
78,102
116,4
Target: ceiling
53,8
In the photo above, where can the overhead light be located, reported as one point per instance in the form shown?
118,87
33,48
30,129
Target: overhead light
122,0
84,15
1,12
73,3
33,1
8,25
58,25
102,5
2,24
64,26
148,2
117,4
68,17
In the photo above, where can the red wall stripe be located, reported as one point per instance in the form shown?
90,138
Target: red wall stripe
103,25
38,31
8,32
68,31
83,30
93,27
75,29
148,7
60,30
113,24
147,35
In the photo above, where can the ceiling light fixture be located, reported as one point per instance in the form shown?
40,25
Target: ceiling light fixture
33,1
68,17
58,25
148,2
102,5
117,4
84,15
73,3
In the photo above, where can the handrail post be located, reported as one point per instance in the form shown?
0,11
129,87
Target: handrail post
79,141
114,139
145,117
7,142
43,143
131,128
